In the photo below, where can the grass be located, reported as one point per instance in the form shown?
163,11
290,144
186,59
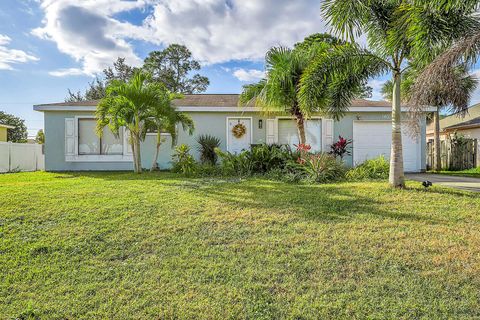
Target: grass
474,173
158,246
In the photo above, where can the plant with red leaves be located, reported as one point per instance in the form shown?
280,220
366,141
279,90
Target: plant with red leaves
341,147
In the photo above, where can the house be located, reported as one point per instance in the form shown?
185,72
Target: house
3,132
467,124
72,144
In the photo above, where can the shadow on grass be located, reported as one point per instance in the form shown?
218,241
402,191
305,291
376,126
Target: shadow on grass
324,202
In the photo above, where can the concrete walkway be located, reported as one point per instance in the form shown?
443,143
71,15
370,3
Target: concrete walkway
463,183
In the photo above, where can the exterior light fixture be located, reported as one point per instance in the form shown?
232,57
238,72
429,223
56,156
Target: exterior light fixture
260,124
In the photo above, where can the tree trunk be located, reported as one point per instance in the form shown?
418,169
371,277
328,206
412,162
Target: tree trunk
157,151
396,177
301,127
137,154
132,145
437,161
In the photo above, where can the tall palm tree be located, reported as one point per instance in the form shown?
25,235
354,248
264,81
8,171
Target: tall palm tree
398,31
439,97
279,91
165,118
129,105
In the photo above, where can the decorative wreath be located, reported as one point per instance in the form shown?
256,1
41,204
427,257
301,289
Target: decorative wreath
239,130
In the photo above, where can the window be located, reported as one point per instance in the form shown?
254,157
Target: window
89,143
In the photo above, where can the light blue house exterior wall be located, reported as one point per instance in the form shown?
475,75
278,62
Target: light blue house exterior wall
212,123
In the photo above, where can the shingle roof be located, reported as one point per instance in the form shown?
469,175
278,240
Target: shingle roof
467,124
215,100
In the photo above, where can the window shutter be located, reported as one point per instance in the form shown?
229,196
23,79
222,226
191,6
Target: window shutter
127,148
270,131
327,134
70,136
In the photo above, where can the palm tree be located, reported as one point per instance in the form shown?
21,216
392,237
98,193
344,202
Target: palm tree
164,118
129,105
439,97
398,31
279,91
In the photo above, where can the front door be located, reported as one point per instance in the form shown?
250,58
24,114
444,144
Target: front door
239,134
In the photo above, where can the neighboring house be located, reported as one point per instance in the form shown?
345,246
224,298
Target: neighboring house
72,144
467,124
3,132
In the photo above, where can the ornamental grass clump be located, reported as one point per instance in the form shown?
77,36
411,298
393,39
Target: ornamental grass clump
373,169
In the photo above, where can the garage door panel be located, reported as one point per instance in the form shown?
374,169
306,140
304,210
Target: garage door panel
372,139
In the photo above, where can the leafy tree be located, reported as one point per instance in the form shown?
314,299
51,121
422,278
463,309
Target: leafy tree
40,138
398,31
173,66
97,88
19,134
129,104
311,42
164,117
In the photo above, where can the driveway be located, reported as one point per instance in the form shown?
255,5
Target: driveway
463,183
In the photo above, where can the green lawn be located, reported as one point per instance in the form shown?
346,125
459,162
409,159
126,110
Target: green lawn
155,246
474,173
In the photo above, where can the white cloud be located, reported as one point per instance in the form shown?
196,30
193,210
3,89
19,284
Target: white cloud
87,32
8,56
223,30
214,30
249,75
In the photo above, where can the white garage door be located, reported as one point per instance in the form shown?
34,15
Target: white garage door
288,133
373,138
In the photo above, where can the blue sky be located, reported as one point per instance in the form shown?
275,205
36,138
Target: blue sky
49,46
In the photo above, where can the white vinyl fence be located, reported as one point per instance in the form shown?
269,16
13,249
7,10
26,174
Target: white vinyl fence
21,157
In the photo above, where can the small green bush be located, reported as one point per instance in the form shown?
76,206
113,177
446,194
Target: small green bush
320,167
373,169
206,147
183,162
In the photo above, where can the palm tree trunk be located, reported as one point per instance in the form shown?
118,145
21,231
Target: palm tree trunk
132,144
301,127
157,151
396,178
436,142
137,154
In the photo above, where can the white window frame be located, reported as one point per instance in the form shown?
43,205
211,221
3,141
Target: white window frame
228,131
97,157
293,119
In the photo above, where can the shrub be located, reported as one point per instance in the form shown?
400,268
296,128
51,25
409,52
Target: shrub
341,147
183,161
260,159
373,169
207,145
318,167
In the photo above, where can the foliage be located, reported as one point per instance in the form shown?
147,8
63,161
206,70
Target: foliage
130,105
372,169
316,167
397,32
259,160
341,147
183,162
40,138
18,134
97,88
173,66
206,147
281,90
164,118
